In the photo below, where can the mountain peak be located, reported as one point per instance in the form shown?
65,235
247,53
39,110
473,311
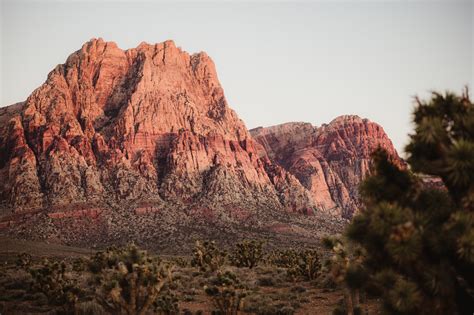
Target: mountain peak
344,119
148,123
113,134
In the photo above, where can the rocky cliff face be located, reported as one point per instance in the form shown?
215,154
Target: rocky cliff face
329,161
121,145
145,124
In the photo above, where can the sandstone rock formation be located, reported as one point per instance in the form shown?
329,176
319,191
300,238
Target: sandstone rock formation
130,144
148,124
329,161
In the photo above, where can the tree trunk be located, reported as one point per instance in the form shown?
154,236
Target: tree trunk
349,303
355,298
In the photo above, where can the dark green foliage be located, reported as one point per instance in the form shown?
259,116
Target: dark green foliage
442,144
55,282
132,282
247,254
419,235
226,292
207,256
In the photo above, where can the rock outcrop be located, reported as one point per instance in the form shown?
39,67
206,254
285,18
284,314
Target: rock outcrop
121,145
146,124
329,161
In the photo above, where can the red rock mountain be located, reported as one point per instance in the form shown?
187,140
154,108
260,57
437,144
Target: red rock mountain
329,161
148,130
148,124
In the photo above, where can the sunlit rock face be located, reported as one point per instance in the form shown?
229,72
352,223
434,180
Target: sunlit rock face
141,145
148,124
329,161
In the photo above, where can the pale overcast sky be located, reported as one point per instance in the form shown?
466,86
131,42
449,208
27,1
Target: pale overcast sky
277,61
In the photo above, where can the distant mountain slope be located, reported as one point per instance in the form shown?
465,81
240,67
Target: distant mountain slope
330,161
123,145
149,123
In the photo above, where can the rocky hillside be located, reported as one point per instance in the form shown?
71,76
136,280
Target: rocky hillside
329,161
149,123
118,142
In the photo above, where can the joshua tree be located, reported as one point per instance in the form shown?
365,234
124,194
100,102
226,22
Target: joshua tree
419,238
346,269
247,254
303,263
130,281
226,292
207,256
54,281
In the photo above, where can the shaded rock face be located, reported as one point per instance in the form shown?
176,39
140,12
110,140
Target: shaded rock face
329,161
149,124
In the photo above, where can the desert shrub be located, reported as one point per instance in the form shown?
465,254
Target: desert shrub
54,281
166,304
266,282
308,265
264,305
302,263
180,262
346,270
286,258
207,256
79,264
298,289
89,308
132,282
226,292
342,310
248,253
23,260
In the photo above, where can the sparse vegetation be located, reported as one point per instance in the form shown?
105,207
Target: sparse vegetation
206,256
121,280
132,282
226,292
54,281
346,269
303,263
248,253
308,265
23,260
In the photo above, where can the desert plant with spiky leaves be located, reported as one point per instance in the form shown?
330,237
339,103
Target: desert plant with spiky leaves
53,279
23,261
307,265
299,263
226,292
346,269
207,256
130,281
285,258
248,253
